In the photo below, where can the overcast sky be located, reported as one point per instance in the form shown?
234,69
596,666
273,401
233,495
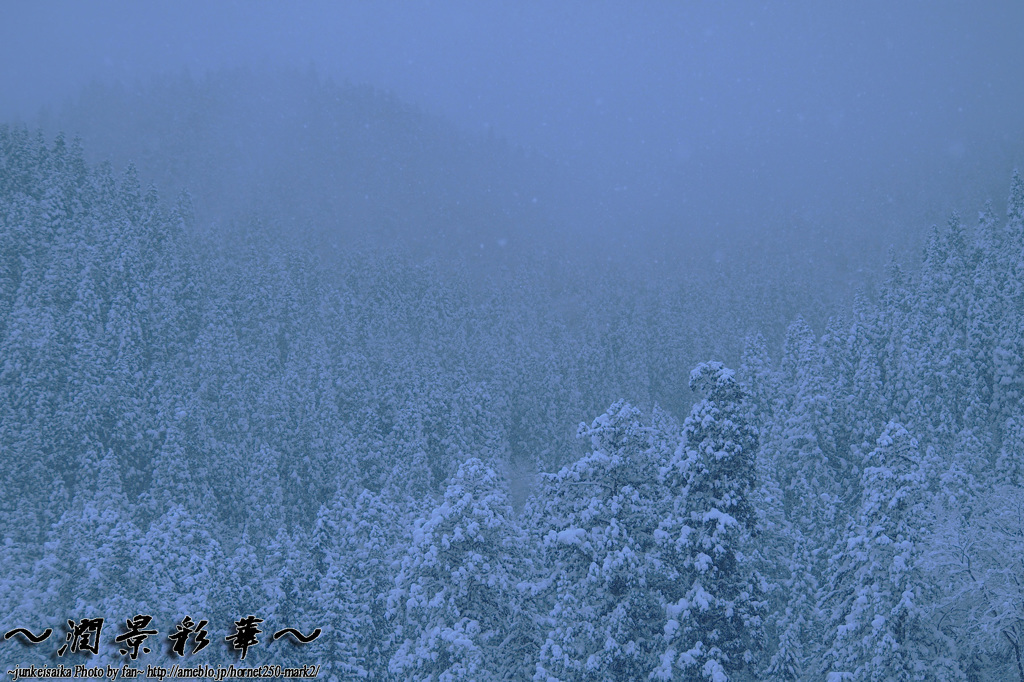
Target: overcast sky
800,105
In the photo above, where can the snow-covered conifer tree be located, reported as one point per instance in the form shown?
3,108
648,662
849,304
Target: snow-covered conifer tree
604,577
878,591
714,626
454,600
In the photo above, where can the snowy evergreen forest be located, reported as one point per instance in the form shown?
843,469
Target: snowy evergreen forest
768,483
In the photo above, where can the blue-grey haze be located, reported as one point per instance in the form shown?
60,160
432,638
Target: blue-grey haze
516,341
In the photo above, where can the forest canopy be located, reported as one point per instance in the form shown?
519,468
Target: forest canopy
386,448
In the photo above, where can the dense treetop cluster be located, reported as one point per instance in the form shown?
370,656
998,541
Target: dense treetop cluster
194,429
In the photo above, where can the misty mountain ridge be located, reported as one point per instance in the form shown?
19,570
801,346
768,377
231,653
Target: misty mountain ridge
327,163
336,167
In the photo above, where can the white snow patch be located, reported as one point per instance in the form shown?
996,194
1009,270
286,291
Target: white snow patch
571,536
